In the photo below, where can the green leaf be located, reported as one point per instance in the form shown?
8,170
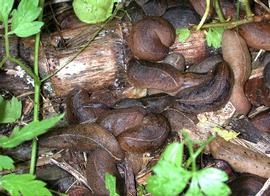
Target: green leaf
169,180
110,182
92,11
183,34
194,188
6,163
28,29
23,24
211,181
5,8
214,37
24,184
10,111
173,153
28,132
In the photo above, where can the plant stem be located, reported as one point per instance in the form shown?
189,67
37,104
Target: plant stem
219,11
199,151
204,15
228,25
37,91
247,8
4,60
6,39
192,156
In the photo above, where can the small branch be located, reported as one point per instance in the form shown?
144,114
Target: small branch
219,11
6,39
233,24
265,187
204,15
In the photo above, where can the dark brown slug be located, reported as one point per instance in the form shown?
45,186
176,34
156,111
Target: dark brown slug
81,109
83,137
149,136
150,38
266,75
100,162
161,76
156,103
208,96
248,185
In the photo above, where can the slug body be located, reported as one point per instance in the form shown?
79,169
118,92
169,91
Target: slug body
162,77
208,96
150,38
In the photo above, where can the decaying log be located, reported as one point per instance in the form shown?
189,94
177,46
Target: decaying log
102,64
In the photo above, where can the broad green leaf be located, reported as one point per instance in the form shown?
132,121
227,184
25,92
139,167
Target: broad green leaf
27,11
6,163
173,153
214,37
28,132
183,34
211,181
24,184
5,8
92,11
10,111
28,29
110,182
169,180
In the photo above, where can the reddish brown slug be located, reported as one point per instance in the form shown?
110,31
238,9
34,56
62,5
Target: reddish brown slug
256,34
235,53
150,38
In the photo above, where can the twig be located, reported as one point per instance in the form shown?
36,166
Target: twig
263,5
264,188
233,24
72,171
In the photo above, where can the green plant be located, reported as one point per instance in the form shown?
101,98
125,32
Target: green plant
110,182
23,24
91,11
172,175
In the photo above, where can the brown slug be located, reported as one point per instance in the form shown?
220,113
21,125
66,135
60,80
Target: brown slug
262,121
248,185
266,75
235,53
119,120
155,103
83,137
208,96
257,92
256,34
149,136
100,162
161,76
81,109
150,38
